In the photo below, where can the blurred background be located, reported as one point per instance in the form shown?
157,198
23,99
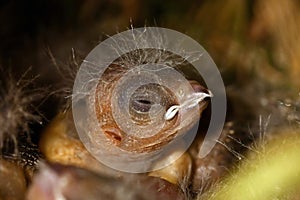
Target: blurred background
244,37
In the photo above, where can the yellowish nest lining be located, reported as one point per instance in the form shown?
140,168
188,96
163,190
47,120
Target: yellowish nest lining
270,172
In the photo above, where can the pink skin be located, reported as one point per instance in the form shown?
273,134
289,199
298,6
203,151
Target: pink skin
55,181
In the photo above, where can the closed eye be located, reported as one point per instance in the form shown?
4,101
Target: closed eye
142,105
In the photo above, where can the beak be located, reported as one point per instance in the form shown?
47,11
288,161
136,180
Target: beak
197,98
203,103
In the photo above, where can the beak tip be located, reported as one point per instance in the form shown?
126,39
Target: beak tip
210,94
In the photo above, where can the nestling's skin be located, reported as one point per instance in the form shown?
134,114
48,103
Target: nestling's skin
139,109
56,181
60,143
179,172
